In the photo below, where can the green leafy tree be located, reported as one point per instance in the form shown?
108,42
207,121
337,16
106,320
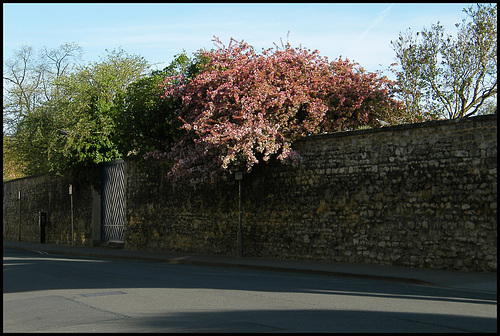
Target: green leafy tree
13,166
37,140
446,76
145,120
77,126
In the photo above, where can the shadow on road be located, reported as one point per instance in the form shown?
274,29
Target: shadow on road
67,272
263,321
26,271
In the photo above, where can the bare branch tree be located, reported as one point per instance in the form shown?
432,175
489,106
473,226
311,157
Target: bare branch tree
29,79
442,75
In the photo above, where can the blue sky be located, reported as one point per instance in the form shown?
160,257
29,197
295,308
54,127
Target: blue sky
360,32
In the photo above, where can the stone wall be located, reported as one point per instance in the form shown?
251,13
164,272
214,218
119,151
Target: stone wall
185,218
421,195
50,194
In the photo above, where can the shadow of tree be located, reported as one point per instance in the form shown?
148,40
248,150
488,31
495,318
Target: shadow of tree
266,321
66,272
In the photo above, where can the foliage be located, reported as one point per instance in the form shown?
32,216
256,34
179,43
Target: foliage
244,108
12,164
144,118
37,140
442,75
76,126
29,79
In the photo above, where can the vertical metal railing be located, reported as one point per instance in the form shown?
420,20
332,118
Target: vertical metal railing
113,201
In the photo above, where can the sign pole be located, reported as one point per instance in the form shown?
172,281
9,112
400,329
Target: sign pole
239,177
19,201
72,225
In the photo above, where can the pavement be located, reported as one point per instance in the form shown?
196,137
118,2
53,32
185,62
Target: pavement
484,282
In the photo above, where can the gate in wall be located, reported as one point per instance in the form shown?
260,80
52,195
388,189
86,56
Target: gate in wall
113,202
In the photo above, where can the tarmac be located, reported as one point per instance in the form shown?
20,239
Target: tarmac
483,282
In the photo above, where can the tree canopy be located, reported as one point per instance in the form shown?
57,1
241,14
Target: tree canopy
76,126
145,119
29,79
449,76
245,107
230,108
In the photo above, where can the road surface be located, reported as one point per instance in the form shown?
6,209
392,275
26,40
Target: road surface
55,293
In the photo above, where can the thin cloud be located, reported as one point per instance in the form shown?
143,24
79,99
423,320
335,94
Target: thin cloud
380,17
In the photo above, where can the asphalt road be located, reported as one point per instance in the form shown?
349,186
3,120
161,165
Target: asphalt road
56,293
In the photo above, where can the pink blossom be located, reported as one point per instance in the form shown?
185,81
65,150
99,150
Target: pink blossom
247,107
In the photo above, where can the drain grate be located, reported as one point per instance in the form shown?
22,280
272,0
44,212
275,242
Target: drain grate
102,294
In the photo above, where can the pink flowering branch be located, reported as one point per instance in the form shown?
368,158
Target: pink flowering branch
246,107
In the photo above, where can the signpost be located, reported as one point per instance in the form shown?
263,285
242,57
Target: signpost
72,226
19,201
238,177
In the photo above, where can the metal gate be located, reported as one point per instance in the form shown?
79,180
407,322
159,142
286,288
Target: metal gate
113,202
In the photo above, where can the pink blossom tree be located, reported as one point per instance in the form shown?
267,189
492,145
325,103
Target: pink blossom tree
244,107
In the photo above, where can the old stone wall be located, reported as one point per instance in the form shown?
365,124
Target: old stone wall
186,218
421,195
49,194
